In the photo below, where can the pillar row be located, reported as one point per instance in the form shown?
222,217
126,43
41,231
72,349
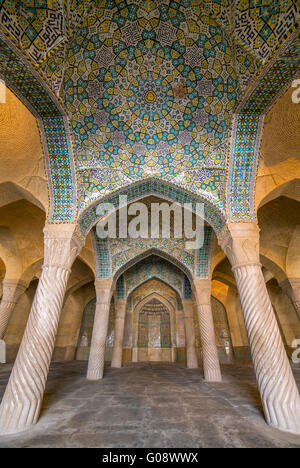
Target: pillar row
191,352
211,363
11,292
120,313
104,290
22,400
276,383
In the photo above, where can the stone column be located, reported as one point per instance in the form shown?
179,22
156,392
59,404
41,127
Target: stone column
191,353
135,357
12,291
22,400
120,308
211,363
104,289
276,383
2,352
291,287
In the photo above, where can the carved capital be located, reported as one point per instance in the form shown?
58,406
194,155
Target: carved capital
63,242
240,242
104,290
12,290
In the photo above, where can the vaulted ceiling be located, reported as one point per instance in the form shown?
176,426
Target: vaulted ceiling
150,87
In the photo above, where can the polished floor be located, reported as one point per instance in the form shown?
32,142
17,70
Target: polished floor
149,405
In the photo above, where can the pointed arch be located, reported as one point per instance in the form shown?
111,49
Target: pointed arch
152,187
53,125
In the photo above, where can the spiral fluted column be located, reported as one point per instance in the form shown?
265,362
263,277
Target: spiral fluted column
12,290
191,352
104,289
120,308
211,363
276,383
22,400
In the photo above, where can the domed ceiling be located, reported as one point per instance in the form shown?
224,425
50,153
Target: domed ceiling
150,87
150,90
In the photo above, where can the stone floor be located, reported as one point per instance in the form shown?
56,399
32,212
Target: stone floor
149,405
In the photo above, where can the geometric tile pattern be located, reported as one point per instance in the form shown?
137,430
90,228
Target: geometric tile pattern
187,289
26,84
120,287
221,11
102,256
36,26
150,89
262,25
247,128
247,66
203,255
153,268
161,189
246,134
124,250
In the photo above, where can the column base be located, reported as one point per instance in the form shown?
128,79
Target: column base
134,354
212,377
288,431
116,365
192,366
16,431
94,376
2,352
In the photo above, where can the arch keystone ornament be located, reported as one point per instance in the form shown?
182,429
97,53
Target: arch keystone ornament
211,363
22,400
12,291
276,383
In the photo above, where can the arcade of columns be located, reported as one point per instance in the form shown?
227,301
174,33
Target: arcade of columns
22,400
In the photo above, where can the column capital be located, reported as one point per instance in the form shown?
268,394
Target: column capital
203,291
62,242
240,242
13,289
188,308
104,290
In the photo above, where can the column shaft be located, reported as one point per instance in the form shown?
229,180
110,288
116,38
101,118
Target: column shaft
276,383
98,345
191,353
211,363
12,290
120,308
22,400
